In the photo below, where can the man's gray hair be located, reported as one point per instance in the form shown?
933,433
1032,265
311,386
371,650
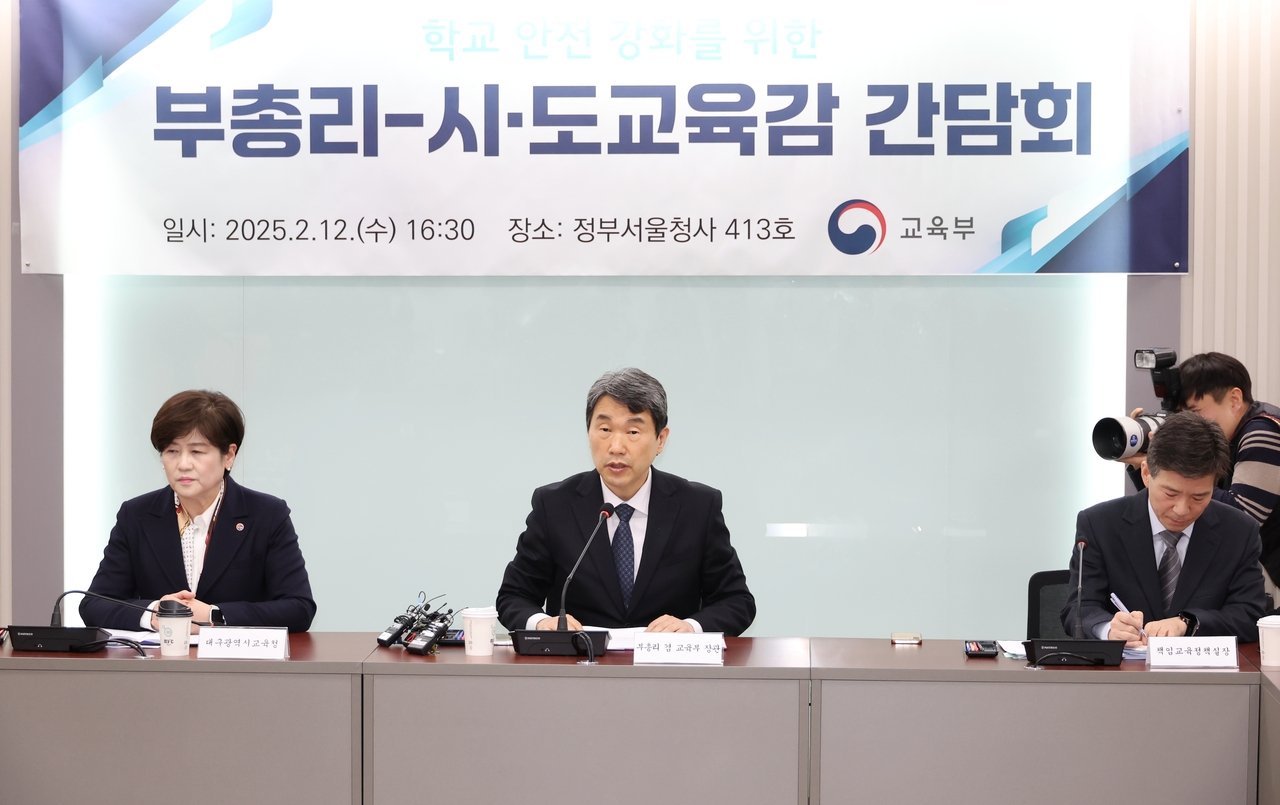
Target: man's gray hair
633,388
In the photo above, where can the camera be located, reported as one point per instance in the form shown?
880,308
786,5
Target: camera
1117,438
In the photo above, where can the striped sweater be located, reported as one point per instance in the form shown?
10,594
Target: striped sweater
1254,487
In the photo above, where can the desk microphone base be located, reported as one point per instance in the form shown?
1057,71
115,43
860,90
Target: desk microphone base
1074,652
550,643
80,639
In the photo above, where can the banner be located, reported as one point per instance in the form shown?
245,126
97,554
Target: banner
315,137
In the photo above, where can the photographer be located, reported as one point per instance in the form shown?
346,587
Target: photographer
1218,387
1186,563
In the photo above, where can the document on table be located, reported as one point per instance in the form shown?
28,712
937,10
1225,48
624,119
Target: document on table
625,639
1013,649
621,639
145,638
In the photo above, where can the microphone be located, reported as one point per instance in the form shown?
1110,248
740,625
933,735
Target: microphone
56,637
606,511
1077,632
56,620
1076,650
561,641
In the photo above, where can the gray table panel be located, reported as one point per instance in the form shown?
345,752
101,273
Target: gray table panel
1269,739
515,739
77,736
73,727
930,742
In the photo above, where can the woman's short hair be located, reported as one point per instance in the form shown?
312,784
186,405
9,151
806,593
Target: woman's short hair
212,413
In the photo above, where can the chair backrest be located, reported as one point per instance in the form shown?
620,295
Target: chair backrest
1046,596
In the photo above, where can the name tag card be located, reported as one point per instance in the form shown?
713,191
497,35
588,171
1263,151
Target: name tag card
243,643
1192,652
679,648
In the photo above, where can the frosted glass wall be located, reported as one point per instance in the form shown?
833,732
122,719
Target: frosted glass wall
895,454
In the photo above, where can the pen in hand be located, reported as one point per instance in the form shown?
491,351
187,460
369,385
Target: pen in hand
1115,599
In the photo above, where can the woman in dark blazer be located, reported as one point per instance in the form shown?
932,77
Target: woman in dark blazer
228,553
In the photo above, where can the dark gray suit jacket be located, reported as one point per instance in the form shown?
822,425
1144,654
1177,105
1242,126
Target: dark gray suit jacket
688,568
1220,583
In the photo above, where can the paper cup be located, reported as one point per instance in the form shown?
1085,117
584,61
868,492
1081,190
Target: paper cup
1269,639
478,624
174,623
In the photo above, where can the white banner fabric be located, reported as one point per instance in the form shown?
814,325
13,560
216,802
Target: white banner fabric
315,137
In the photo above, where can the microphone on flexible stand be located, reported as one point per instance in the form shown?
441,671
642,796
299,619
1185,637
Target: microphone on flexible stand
1077,631
606,511
1077,650
56,620
562,641
56,637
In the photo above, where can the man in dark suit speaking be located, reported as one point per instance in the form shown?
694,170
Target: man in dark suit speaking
1183,563
667,563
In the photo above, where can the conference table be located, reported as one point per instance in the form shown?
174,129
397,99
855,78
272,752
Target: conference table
1268,732
925,724
785,720
508,728
107,726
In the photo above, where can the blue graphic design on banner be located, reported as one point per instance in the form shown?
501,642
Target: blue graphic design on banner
283,137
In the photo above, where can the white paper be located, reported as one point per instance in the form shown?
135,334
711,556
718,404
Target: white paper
1013,649
147,639
622,639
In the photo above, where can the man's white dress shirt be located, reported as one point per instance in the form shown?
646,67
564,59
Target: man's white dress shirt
639,526
1104,630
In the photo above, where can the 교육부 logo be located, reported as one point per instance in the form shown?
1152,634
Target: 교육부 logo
868,222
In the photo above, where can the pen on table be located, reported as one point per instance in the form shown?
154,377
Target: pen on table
1115,599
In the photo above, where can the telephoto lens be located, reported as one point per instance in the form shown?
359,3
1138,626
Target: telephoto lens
1116,438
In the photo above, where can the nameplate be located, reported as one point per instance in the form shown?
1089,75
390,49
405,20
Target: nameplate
1192,652
680,648
243,643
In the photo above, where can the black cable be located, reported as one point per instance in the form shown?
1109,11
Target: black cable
1088,660
124,641
591,650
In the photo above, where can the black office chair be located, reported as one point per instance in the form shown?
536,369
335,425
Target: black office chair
1046,596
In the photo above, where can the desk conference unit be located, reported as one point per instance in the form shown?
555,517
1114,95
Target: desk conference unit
785,720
